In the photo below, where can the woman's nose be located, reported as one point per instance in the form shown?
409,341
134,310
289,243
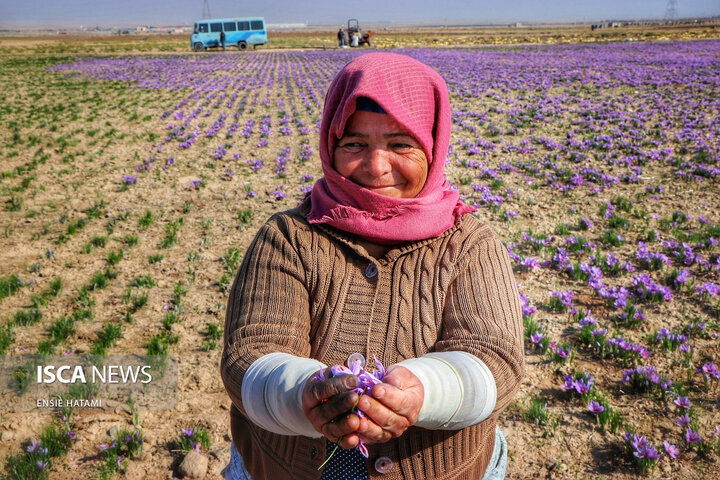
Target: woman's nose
378,163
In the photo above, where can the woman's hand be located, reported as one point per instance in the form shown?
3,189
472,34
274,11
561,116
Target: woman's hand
391,407
327,405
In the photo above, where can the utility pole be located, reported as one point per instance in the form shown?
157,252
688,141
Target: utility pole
206,10
671,12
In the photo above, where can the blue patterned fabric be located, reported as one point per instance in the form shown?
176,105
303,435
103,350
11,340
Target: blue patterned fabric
344,464
350,464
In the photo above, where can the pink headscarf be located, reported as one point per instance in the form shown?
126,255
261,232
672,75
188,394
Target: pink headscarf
416,97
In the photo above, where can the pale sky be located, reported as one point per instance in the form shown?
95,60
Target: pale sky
90,13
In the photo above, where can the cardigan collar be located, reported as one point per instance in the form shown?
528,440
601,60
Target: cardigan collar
352,241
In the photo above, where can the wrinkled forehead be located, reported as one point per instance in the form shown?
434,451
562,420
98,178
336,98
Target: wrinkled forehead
364,123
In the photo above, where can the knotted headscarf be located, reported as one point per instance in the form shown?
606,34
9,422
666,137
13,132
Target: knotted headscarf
416,97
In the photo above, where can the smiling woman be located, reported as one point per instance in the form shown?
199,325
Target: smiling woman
378,154
382,260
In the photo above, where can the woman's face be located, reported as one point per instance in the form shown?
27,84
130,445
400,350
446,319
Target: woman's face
378,154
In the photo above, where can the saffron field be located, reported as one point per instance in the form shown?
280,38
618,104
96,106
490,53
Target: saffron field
131,186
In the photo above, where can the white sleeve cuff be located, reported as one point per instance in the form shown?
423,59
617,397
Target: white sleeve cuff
459,388
272,393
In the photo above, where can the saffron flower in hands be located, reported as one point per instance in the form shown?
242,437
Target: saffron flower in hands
366,381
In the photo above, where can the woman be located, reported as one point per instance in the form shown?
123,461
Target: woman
382,260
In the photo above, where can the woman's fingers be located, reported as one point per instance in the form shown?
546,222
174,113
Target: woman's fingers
326,404
342,428
318,391
370,432
392,406
405,394
384,407
389,408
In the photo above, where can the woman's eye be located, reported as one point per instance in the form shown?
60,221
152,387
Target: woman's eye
352,146
401,146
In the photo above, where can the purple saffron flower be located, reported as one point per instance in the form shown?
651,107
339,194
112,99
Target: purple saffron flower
683,402
128,179
527,308
585,223
708,288
530,263
41,465
255,165
595,407
106,447
197,183
537,337
587,320
562,352
692,437
683,420
709,371
671,450
582,387
609,210
568,383
188,432
33,447
647,451
278,192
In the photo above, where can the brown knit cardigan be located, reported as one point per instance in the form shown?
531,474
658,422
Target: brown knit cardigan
309,290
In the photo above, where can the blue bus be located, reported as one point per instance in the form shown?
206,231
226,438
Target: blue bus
239,32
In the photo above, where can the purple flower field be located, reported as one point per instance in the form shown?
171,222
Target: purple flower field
597,164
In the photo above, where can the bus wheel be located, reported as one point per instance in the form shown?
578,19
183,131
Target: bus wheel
242,45
198,47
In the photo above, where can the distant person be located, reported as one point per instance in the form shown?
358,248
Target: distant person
222,40
366,39
381,263
355,39
341,38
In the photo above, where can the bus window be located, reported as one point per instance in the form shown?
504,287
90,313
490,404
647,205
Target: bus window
216,27
201,27
256,25
229,26
242,26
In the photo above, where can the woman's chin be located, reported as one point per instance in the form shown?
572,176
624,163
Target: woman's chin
393,191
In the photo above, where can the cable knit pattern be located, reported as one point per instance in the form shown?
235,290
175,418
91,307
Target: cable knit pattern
448,293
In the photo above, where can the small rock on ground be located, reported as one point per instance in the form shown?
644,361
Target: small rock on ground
194,465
